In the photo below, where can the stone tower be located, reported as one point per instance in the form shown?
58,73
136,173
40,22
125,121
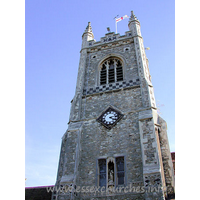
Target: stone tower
116,144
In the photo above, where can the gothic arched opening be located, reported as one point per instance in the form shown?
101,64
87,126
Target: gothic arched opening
111,71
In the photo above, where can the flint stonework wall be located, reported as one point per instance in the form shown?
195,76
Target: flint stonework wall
94,59
122,139
125,100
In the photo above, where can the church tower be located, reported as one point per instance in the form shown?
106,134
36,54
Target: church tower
116,144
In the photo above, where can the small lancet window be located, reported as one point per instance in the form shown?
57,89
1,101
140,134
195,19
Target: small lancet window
102,172
120,170
111,71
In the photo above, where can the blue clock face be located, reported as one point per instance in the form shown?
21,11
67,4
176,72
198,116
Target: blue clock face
110,117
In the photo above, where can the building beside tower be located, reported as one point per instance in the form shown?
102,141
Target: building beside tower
116,144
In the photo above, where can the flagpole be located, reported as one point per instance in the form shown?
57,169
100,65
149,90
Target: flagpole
118,20
116,23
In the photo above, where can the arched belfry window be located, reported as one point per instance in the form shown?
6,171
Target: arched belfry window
111,71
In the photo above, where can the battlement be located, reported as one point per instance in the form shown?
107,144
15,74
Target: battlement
109,38
88,36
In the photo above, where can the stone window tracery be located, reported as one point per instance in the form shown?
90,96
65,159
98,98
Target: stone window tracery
111,172
111,71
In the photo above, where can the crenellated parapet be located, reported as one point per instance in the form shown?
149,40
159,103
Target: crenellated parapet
110,39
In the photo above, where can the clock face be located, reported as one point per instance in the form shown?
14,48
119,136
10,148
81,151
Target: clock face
110,117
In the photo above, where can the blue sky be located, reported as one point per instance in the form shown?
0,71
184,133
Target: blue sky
53,34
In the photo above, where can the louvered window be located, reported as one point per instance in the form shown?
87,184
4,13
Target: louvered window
111,71
103,75
119,71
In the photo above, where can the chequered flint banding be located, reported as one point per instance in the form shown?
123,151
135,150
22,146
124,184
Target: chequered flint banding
111,86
